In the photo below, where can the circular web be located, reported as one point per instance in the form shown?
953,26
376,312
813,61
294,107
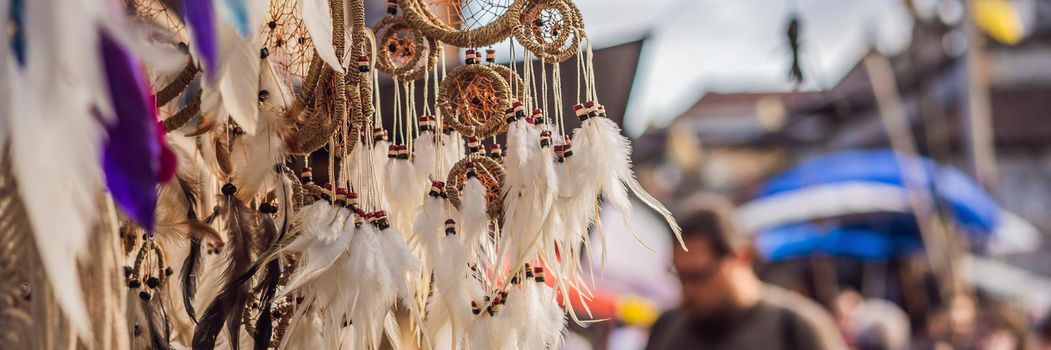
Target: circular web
550,30
168,26
287,41
473,98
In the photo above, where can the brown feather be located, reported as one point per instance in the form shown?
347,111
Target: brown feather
222,156
229,304
206,125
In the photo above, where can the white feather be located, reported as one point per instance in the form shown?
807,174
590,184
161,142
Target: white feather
452,289
404,194
452,149
400,262
473,216
607,164
253,156
317,19
523,316
7,67
553,321
321,255
62,41
372,291
426,156
304,329
428,229
529,191
357,170
239,76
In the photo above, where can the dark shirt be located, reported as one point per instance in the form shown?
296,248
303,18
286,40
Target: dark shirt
781,320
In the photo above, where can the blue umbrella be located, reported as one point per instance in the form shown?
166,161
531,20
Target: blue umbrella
868,243
863,181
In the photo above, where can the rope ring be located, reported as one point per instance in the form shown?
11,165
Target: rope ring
476,113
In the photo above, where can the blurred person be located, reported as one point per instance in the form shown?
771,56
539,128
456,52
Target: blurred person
871,324
724,305
1043,334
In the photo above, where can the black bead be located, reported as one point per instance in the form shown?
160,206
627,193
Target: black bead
539,22
127,271
476,100
229,189
264,52
263,95
144,295
168,271
134,284
137,330
280,43
271,24
267,208
153,282
184,48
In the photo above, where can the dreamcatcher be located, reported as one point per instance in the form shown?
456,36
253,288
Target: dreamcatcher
465,24
301,213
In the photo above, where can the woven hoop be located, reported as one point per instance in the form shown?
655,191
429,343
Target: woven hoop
489,172
420,16
449,99
550,47
513,80
386,28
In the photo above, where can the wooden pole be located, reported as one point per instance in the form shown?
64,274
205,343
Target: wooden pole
941,252
977,106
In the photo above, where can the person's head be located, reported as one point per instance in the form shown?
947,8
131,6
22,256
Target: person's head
1043,334
717,264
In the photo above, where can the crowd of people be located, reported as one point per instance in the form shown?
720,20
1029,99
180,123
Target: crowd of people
725,304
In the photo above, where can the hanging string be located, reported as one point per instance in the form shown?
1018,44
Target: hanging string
397,112
556,81
426,92
410,112
439,123
528,81
514,70
543,86
590,70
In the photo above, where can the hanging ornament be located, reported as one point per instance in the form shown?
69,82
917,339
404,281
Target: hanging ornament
402,51
471,23
472,98
551,30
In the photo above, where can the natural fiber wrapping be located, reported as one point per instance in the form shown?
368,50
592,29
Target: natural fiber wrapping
449,96
419,16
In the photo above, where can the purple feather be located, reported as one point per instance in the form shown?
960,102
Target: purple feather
132,153
200,14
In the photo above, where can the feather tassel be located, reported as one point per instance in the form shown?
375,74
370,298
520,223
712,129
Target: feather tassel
404,195
425,150
474,219
238,78
607,164
132,139
268,285
253,157
227,307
